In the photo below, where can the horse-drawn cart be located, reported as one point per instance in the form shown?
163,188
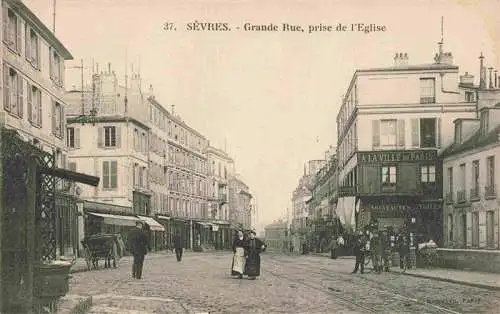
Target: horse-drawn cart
102,246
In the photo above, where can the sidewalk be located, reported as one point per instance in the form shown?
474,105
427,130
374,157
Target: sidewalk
490,281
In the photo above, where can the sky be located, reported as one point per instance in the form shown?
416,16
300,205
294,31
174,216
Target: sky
272,97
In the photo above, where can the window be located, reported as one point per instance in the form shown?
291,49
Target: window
427,91
32,47
109,175
110,136
70,137
428,132
56,67
34,105
469,96
474,193
57,119
388,132
12,30
490,176
490,229
475,229
484,122
13,92
389,175
428,174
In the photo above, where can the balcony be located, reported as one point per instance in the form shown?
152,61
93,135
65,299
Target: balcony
461,196
449,198
427,100
490,191
223,198
347,191
474,193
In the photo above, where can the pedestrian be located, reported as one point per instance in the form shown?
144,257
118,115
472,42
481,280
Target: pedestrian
238,265
333,248
359,252
178,246
404,250
139,247
386,250
253,248
375,247
340,245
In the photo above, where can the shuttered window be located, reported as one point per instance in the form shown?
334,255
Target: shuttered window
109,174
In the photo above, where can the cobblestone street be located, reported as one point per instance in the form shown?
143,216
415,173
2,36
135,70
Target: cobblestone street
201,284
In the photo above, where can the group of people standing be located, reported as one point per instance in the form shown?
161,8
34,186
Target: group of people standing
378,245
246,255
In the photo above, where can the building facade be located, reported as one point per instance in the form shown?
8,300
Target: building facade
32,95
240,207
323,219
471,171
276,236
393,173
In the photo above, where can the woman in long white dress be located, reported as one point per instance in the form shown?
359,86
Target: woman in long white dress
238,265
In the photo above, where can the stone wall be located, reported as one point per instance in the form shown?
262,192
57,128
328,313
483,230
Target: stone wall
476,260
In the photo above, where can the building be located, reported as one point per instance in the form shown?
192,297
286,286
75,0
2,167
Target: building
32,94
471,170
220,170
300,196
276,237
393,173
240,209
322,204
108,136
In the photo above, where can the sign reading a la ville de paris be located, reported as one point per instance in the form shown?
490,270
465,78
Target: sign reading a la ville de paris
396,156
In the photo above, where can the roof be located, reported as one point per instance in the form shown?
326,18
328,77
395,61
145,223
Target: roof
40,27
411,67
475,141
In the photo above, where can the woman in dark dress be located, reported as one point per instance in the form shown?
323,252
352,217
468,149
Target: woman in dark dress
254,247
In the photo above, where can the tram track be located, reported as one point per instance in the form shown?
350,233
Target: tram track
389,300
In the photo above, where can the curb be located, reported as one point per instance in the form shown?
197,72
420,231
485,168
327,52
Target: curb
460,282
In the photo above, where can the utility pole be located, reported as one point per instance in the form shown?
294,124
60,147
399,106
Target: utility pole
54,17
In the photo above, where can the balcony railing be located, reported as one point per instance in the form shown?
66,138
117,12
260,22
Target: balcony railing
474,193
449,197
427,100
490,191
461,196
347,191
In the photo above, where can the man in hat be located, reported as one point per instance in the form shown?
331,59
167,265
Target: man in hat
139,247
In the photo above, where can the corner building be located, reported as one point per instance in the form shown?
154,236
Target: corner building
392,123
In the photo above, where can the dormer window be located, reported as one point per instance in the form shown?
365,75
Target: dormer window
484,124
458,132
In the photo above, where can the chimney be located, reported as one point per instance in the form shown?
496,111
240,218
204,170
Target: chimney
467,79
482,72
109,67
401,59
491,78
446,58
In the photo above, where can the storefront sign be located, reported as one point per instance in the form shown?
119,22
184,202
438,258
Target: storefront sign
396,156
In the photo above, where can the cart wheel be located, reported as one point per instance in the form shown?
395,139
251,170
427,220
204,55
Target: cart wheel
88,258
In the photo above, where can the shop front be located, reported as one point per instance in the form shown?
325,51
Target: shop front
423,218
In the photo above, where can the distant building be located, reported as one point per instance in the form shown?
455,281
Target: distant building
391,125
276,236
240,208
471,166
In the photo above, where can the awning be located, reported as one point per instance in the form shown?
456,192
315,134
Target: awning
164,217
153,224
118,220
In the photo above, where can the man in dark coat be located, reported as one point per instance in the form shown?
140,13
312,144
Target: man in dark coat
139,247
359,252
178,246
404,250
253,249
